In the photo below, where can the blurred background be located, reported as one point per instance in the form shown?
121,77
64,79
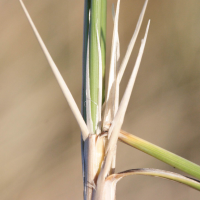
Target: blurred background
40,155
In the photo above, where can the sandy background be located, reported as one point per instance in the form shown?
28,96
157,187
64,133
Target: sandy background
39,137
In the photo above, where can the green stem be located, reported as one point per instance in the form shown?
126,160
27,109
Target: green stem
94,58
161,154
84,60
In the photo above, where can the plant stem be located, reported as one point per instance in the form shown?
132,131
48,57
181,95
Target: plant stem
84,59
94,58
84,63
95,31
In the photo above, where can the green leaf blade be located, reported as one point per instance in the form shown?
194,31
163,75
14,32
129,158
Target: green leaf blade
161,154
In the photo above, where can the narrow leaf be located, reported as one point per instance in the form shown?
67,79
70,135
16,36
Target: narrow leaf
117,65
132,43
118,120
59,78
117,123
156,173
109,187
110,107
161,154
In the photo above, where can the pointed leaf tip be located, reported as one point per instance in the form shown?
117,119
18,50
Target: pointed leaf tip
59,78
132,43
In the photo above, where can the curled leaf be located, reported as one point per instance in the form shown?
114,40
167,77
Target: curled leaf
161,154
109,189
193,183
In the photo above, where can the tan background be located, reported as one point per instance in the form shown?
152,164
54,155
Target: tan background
39,137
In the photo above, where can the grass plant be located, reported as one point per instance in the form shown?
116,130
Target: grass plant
102,115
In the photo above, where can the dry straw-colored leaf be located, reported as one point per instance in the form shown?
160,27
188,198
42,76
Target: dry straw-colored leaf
59,78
